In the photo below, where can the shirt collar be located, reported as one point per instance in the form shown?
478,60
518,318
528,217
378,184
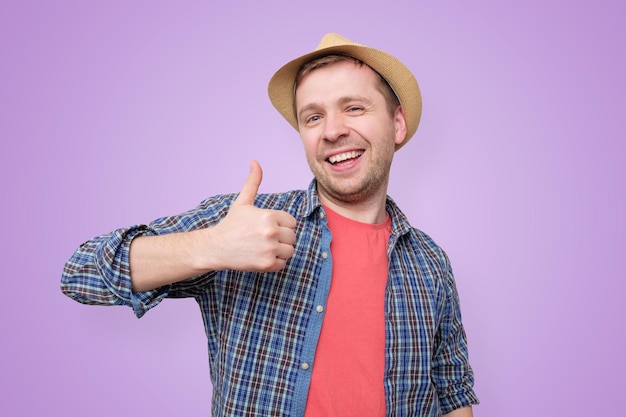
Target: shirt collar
399,222
311,201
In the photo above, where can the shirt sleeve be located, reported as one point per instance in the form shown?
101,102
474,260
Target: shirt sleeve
452,372
98,273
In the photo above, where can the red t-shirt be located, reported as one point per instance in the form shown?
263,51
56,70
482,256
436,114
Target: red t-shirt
349,363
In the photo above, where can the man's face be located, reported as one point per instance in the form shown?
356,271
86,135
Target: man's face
348,132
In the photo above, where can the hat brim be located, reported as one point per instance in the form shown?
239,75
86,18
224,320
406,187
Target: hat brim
282,94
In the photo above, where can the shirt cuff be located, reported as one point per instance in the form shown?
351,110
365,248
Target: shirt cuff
113,263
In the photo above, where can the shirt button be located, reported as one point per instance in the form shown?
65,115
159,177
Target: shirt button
305,366
319,309
321,214
324,255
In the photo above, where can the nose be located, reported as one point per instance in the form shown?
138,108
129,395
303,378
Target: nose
335,127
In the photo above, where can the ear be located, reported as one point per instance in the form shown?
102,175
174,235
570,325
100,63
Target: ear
400,124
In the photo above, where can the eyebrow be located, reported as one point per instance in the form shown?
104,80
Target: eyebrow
305,109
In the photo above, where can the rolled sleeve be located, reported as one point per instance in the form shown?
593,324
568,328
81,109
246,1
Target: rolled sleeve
98,273
452,372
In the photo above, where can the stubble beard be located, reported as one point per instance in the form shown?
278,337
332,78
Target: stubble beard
355,190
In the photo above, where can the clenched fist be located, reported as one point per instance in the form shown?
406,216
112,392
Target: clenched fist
255,239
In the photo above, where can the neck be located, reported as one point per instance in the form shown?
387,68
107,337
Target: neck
372,211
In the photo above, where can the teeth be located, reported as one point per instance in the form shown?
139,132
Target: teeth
344,156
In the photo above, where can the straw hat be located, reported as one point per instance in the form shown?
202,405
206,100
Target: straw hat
401,80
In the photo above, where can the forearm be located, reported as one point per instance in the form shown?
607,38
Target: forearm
460,412
248,239
156,261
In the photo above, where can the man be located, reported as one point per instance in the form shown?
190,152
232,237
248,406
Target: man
383,337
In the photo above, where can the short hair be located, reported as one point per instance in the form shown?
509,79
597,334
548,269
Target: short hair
390,96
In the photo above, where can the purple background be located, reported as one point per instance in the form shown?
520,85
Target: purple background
118,112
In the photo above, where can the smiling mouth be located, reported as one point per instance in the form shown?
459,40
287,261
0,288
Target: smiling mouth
343,157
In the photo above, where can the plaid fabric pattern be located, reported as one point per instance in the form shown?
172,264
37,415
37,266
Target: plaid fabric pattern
262,329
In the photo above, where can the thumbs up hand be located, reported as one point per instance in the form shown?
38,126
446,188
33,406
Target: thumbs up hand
254,239
247,239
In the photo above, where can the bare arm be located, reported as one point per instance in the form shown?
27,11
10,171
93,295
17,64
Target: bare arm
460,412
247,239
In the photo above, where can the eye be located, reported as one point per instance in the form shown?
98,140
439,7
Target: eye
312,119
355,110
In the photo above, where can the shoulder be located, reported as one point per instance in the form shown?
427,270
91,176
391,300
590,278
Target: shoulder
402,227
290,201
273,201
414,241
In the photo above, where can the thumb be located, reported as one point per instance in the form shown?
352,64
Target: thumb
251,186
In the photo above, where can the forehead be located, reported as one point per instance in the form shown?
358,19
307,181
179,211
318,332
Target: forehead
332,79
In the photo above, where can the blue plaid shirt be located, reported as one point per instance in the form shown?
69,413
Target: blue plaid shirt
262,328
